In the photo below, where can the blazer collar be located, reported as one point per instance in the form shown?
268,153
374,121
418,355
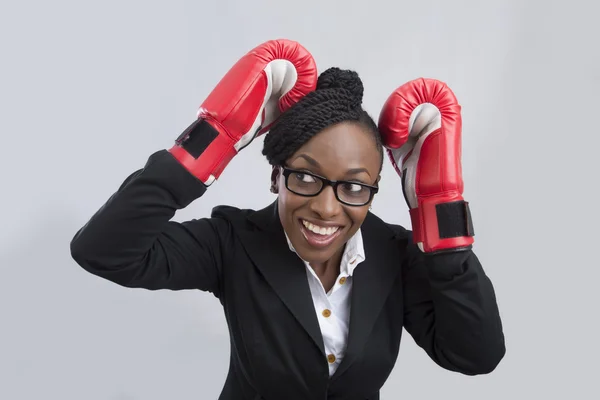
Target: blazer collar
286,273
267,219
282,268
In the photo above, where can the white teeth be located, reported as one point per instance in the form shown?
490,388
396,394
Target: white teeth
321,230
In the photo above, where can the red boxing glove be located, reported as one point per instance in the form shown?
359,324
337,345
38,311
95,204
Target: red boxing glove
244,104
421,128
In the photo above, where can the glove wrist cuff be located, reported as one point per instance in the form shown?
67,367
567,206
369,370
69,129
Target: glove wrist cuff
442,225
204,149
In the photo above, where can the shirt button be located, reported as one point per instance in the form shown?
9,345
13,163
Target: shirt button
326,313
331,358
342,280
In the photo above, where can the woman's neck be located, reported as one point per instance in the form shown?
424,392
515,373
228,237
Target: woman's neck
329,270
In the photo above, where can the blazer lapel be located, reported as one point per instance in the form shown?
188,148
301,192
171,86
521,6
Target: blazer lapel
371,284
282,268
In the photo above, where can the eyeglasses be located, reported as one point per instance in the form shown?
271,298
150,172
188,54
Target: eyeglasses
307,184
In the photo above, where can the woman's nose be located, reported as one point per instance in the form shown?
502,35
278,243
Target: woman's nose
326,204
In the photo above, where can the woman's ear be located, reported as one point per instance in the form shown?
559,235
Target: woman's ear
274,180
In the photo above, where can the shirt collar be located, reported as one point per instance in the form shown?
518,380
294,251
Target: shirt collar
354,253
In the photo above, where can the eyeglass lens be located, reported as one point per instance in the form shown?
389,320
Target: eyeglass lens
305,184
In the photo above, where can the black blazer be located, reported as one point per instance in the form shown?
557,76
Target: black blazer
445,302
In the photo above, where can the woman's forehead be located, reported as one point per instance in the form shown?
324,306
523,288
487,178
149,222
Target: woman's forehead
340,147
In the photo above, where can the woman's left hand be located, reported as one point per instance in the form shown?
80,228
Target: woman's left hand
421,127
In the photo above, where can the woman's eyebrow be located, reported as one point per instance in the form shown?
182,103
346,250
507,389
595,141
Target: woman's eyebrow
315,163
310,160
356,171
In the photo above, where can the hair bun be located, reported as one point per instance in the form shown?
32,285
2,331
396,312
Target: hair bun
344,79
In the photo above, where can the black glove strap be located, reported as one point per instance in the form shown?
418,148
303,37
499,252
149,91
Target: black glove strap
197,137
454,220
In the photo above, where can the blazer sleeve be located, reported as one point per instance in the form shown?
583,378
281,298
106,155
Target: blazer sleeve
451,311
132,241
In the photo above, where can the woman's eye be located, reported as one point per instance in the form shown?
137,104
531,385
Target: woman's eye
351,187
305,178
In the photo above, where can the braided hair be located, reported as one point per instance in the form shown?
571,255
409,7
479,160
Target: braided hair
337,98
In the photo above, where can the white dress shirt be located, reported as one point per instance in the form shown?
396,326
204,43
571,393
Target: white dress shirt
333,307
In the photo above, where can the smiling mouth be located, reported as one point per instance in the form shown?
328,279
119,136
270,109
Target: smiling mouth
319,236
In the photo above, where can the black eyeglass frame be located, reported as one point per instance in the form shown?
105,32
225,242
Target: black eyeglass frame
286,172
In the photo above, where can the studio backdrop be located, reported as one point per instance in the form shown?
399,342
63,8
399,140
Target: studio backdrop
88,90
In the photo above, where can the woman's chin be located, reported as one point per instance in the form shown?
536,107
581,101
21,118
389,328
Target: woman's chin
317,256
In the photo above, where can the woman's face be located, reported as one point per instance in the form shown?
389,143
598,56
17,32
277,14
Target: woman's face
344,151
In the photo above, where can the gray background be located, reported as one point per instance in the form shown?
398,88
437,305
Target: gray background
89,89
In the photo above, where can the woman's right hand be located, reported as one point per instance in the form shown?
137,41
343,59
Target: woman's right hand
249,98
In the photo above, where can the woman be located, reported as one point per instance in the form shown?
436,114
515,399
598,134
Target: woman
315,288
